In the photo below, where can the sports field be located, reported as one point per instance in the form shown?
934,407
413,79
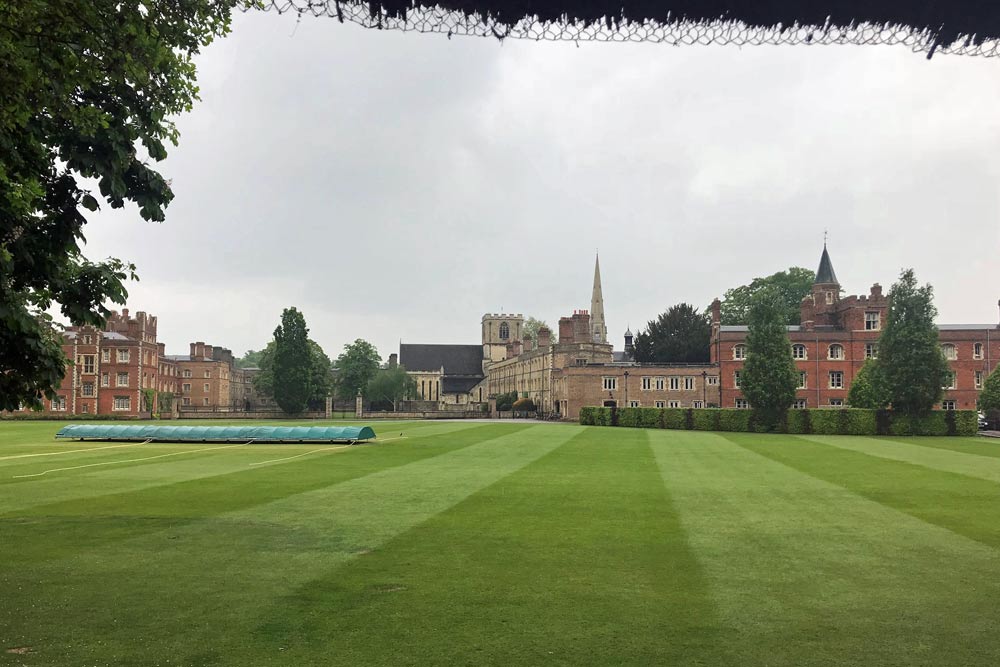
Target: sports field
501,543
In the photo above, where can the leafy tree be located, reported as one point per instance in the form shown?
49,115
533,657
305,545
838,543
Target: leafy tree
506,401
356,366
680,335
291,363
792,286
769,375
989,398
250,360
389,386
321,377
867,388
529,331
911,364
89,92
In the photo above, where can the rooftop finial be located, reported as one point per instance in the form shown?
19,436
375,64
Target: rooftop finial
824,237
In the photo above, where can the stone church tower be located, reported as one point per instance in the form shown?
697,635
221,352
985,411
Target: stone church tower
597,322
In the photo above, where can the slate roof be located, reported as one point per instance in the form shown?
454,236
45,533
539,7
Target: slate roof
456,359
459,384
825,273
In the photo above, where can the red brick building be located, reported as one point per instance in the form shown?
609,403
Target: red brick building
838,333
110,368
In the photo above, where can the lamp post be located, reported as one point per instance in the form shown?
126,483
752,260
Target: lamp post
626,389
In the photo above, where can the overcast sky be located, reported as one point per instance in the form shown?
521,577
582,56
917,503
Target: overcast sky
398,186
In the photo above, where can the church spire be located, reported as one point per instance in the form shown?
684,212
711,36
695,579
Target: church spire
597,322
825,274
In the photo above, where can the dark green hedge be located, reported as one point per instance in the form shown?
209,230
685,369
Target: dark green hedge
846,421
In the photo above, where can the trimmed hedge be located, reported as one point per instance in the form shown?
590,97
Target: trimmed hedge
840,421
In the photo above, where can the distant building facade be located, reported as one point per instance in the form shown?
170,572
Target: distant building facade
838,334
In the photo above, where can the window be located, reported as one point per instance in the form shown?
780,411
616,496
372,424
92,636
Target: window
106,355
689,383
673,404
85,408
186,387
836,351
979,379
208,374
187,373
675,383
647,383
949,351
947,405
504,331
185,401
803,380
741,404
739,351
206,387
122,403
87,389
799,404
610,384
836,380
977,350
736,379
105,379
873,322
659,404
633,404
660,384
204,401
88,364
836,402
87,339
871,350
697,404
59,403
950,381
829,298
799,352
580,362
713,380
121,380
123,356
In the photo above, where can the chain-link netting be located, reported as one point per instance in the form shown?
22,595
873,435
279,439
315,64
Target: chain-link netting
679,32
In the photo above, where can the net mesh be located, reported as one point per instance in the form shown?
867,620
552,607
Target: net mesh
676,32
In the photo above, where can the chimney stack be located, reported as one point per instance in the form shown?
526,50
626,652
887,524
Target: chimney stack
544,338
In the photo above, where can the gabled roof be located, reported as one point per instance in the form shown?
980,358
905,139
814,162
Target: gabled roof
825,273
455,359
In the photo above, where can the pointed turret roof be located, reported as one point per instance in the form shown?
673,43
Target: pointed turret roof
825,273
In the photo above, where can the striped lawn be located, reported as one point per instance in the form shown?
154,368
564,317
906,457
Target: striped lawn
501,543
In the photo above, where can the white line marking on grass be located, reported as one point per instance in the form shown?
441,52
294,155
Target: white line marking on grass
111,463
289,458
70,451
378,440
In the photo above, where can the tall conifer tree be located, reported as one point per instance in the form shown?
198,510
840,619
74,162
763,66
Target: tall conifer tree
769,376
292,365
911,365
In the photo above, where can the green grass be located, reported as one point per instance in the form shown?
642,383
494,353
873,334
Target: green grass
501,543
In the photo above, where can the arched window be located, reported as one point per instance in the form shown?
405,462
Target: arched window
799,352
739,351
836,351
949,351
504,331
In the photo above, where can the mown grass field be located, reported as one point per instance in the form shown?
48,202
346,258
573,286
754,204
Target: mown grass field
504,544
